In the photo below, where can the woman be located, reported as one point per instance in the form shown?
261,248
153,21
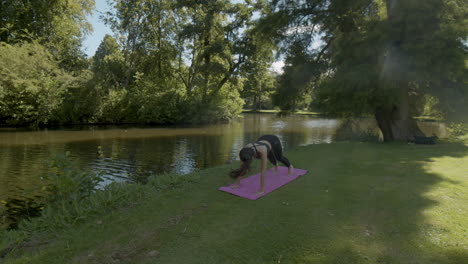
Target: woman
266,147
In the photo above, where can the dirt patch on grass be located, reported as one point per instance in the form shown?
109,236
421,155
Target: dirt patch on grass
31,245
112,252
144,245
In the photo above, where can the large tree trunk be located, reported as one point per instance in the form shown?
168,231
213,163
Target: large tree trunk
395,126
396,121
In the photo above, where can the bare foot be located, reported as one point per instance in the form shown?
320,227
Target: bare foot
235,186
259,192
290,170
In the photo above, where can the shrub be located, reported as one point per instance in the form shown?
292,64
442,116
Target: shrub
457,129
65,182
32,85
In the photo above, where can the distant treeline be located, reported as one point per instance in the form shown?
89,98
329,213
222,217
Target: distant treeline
169,62
201,61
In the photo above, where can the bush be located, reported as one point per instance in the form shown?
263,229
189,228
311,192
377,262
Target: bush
32,85
65,182
61,215
457,129
223,105
156,101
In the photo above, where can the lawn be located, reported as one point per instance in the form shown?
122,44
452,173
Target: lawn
359,203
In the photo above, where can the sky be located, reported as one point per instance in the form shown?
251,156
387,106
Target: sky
92,41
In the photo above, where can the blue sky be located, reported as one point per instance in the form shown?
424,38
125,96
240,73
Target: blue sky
92,41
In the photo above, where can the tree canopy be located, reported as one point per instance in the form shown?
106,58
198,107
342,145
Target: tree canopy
188,53
201,61
375,57
60,25
167,62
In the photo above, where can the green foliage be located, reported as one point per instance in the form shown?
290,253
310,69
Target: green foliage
260,82
193,61
458,129
58,216
73,197
223,105
182,59
65,182
61,215
79,103
59,25
375,57
108,64
296,83
32,85
170,62
154,101
430,107
113,107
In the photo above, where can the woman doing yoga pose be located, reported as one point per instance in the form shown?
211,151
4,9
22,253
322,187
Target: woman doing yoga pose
267,147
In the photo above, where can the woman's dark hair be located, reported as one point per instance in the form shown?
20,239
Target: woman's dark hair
246,155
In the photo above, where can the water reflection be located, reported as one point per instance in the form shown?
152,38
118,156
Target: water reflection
134,153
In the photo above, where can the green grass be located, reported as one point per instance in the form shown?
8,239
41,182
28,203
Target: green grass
359,203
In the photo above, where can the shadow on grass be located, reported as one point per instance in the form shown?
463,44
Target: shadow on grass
377,203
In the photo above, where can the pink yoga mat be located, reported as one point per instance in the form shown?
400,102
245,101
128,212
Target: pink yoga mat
250,186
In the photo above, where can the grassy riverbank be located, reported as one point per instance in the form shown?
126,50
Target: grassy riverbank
248,111
318,114
359,203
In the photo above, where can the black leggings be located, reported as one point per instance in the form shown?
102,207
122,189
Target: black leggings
276,152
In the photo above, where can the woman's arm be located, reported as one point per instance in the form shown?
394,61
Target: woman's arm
263,157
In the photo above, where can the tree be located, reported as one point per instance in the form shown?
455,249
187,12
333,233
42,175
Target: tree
32,86
107,62
105,95
215,45
296,83
184,55
258,88
260,81
220,45
381,57
57,24
43,68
